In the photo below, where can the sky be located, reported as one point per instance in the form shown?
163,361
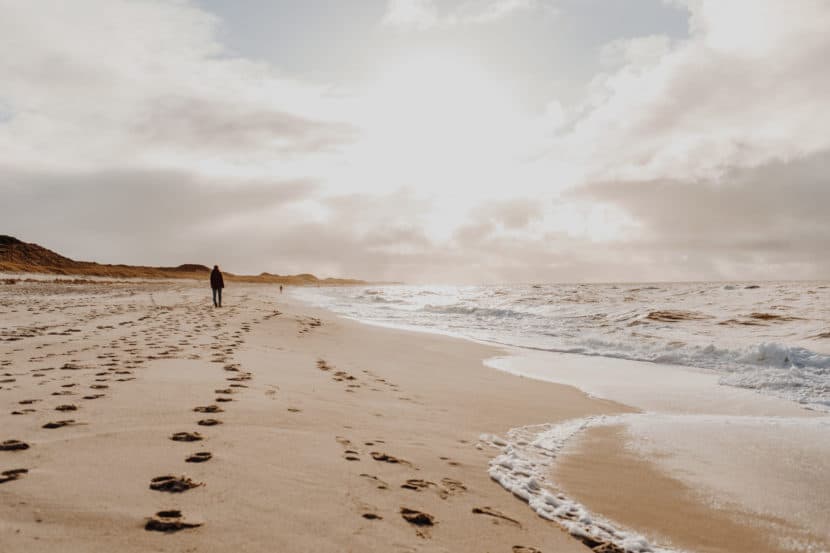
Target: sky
445,141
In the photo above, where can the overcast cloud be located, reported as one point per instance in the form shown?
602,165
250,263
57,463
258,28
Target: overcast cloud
131,133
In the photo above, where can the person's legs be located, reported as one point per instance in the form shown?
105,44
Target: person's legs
214,297
220,296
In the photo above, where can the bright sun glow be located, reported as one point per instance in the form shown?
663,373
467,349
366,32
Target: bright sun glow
442,125
438,113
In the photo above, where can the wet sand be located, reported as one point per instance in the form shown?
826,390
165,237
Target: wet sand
599,471
718,468
315,433
334,436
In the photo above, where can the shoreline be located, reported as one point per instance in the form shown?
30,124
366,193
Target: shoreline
335,428
761,530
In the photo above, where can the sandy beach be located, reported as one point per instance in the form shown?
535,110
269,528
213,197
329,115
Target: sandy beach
323,434
328,420
461,276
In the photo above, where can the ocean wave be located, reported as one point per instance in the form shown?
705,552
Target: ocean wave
751,336
770,355
376,296
790,372
675,315
458,309
381,299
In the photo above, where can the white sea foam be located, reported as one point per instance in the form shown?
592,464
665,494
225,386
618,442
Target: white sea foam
705,451
522,468
770,337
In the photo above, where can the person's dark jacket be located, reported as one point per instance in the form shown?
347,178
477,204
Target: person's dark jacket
216,280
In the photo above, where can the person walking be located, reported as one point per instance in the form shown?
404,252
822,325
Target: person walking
217,283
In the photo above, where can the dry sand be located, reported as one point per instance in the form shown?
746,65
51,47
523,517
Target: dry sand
332,428
301,461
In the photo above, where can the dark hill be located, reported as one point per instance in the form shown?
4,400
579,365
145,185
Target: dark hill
17,252
17,256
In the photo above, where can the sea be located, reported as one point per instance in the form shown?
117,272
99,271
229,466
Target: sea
771,337
731,382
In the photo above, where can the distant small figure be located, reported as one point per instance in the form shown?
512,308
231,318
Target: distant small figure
280,288
217,283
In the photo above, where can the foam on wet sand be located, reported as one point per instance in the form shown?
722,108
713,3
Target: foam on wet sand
334,435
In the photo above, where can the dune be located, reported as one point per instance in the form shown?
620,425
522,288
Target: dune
17,256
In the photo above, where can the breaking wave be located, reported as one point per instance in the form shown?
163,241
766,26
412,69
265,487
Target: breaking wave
772,338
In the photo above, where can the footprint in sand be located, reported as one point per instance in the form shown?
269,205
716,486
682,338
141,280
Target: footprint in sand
24,411
169,521
173,484
208,409
13,474
525,549
199,457
420,519
209,422
13,445
186,437
380,484
93,396
601,546
489,511
450,487
416,484
385,458
447,488
60,424
67,407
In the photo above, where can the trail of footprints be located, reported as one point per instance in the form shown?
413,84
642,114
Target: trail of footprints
113,353
446,489
172,520
134,341
405,472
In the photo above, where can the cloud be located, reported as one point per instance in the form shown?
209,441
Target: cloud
429,14
209,126
511,214
748,87
129,133
152,217
116,83
637,52
740,227
763,222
